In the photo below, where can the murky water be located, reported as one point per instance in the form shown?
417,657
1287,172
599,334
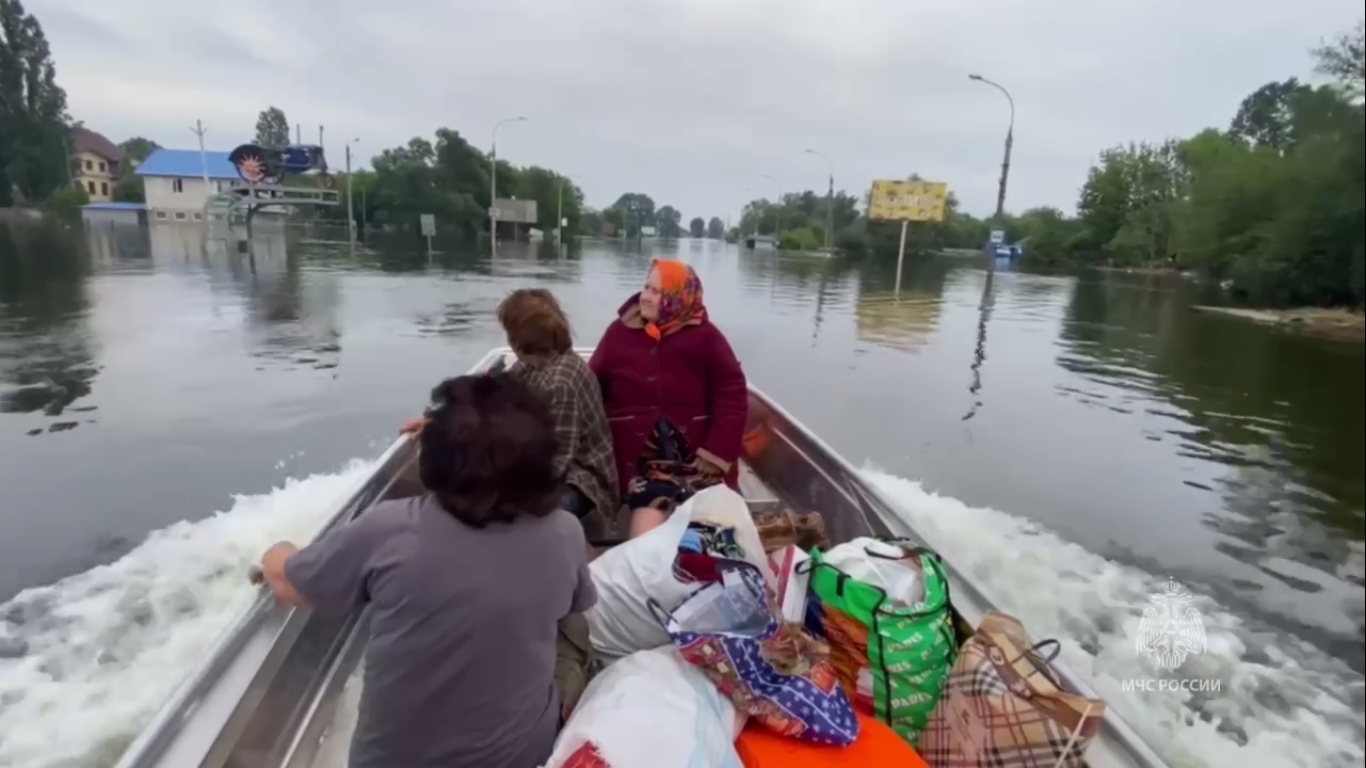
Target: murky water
148,377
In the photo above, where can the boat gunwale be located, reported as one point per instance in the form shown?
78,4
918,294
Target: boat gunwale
1112,724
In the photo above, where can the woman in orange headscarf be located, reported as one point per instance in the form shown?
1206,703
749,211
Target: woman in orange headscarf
675,395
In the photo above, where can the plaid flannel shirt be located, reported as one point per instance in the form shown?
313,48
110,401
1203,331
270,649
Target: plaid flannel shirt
585,459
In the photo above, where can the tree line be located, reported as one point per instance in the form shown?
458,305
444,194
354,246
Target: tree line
1272,206
799,219
634,211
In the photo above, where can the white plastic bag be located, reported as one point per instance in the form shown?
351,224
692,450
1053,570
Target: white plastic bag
882,565
794,580
650,710
629,575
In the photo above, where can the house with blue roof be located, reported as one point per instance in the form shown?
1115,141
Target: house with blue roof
175,183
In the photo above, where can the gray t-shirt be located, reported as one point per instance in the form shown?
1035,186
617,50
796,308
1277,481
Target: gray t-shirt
460,666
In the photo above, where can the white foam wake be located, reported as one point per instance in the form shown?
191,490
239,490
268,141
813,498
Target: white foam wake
106,648
1281,702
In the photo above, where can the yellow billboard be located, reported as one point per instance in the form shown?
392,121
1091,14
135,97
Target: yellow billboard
907,201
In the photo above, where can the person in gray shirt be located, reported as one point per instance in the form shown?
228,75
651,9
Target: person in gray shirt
466,586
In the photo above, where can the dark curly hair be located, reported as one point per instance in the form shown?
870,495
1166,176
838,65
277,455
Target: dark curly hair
488,451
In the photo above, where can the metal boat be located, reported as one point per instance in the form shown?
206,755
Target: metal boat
279,688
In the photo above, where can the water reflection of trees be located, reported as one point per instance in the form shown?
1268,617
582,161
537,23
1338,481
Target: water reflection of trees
46,363
1249,398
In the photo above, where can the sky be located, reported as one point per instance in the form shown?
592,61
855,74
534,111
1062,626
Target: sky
701,104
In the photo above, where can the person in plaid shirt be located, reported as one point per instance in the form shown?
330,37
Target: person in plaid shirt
539,334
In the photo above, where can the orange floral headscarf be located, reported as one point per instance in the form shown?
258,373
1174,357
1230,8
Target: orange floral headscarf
680,302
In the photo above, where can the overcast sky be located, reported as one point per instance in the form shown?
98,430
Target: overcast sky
693,101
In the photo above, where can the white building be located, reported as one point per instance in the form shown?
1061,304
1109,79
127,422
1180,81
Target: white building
174,185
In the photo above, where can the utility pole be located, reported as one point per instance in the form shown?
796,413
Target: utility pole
493,184
199,130
559,215
320,136
298,133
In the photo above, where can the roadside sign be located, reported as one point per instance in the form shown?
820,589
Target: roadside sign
907,201
495,212
564,222
428,229
998,236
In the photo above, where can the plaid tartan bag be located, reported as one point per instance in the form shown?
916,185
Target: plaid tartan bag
1004,707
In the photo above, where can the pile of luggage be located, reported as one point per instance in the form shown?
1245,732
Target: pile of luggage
729,641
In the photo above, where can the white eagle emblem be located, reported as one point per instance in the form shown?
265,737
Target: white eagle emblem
1171,628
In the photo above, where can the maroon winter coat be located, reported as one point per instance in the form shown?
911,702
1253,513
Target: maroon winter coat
690,376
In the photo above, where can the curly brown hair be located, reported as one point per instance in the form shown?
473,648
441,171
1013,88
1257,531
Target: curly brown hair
534,322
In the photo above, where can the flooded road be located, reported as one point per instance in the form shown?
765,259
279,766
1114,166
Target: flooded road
1080,439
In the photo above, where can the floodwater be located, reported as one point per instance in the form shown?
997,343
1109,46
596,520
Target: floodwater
169,406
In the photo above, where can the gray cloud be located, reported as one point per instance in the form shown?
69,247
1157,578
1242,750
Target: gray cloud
693,101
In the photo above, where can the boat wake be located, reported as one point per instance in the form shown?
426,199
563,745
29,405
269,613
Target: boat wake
95,655
1280,702
86,662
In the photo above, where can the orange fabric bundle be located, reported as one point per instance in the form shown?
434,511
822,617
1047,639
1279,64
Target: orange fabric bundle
877,745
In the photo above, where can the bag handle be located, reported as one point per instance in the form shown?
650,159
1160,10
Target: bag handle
1041,662
935,565
658,611
1076,732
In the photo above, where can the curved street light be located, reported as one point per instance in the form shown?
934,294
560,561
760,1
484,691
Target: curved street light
493,182
1010,139
829,199
984,307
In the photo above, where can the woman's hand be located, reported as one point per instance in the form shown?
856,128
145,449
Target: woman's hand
413,427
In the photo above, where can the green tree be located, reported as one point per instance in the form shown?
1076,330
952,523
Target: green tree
1344,60
1047,236
590,222
1264,117
668,221
34,136
697,227
272,129
550,190
68,201
129,188
137,149
716,229
635,210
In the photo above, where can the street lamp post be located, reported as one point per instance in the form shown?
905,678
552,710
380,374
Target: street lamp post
1010,140
829,200
559,212
350,209
493,183
777,213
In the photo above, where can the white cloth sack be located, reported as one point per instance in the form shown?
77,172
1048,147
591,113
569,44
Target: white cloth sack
899,577
651,710
628,575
